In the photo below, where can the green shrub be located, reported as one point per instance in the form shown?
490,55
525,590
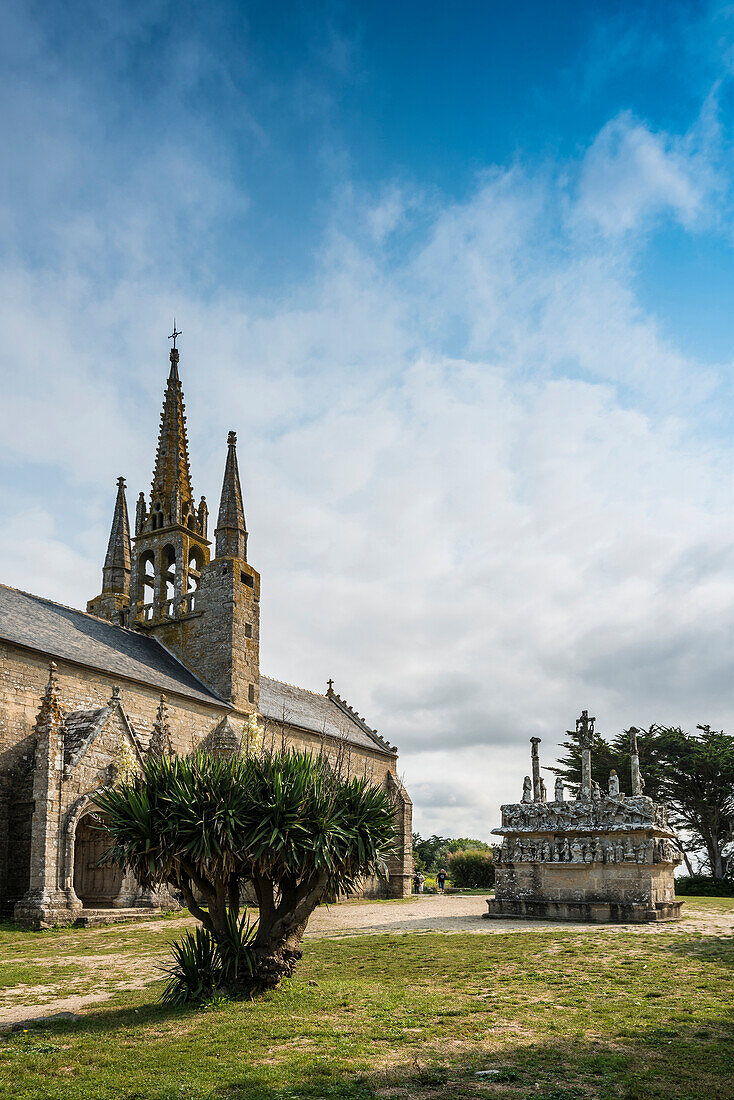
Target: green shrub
471,869
705,886
432,854
201,966
196,970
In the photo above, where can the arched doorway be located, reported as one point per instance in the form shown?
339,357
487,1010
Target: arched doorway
96,887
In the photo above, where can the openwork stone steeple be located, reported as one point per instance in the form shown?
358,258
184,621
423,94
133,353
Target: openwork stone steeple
171,490
114,599
231,532
170,545
116,572
206,612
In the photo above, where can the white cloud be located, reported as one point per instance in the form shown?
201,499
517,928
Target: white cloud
475,482
34,558
631,174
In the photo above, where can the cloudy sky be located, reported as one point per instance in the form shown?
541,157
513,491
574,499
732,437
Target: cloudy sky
461,276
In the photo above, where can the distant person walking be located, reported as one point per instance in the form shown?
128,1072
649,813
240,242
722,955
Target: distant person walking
418,880
441,880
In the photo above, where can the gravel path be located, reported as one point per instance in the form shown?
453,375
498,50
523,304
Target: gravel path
452,913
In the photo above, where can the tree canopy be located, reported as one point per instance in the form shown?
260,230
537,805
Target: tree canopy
432,854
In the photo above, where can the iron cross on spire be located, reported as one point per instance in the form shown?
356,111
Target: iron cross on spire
175,333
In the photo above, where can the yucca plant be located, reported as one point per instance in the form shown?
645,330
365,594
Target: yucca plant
201,966
196,971
287,822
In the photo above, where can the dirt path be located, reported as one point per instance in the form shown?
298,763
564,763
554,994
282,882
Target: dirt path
429,913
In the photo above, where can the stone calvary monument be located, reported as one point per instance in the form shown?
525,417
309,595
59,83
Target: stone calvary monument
599,857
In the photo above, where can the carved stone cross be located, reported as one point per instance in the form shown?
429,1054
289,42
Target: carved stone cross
585,729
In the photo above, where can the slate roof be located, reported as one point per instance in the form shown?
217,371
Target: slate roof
327,714
73,635
76,636
81,726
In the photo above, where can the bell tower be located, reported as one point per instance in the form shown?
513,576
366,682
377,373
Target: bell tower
170,547
162,582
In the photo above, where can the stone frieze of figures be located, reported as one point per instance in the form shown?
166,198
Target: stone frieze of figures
602,814
578,849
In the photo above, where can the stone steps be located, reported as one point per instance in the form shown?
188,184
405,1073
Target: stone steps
90,917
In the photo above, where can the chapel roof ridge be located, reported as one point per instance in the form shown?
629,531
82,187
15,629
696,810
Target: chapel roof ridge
287,683
343,707
137,638
333,697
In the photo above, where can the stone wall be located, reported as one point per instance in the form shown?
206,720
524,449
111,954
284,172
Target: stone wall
625,883
24,677
220,640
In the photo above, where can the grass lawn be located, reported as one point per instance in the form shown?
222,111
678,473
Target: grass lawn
554,1015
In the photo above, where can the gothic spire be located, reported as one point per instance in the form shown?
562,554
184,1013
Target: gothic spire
171,487
116,571
160,741
231,532
50,701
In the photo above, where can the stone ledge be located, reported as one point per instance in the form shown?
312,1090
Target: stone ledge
593,912
88,918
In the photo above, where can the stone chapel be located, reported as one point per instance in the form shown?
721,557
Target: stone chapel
165,659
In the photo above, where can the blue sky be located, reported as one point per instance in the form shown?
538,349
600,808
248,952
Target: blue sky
461,277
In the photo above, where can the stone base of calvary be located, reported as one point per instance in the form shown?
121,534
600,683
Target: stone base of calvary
601,857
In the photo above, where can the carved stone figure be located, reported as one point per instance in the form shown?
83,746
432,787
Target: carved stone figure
558,794
527,789
577,852
613,784
585,736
